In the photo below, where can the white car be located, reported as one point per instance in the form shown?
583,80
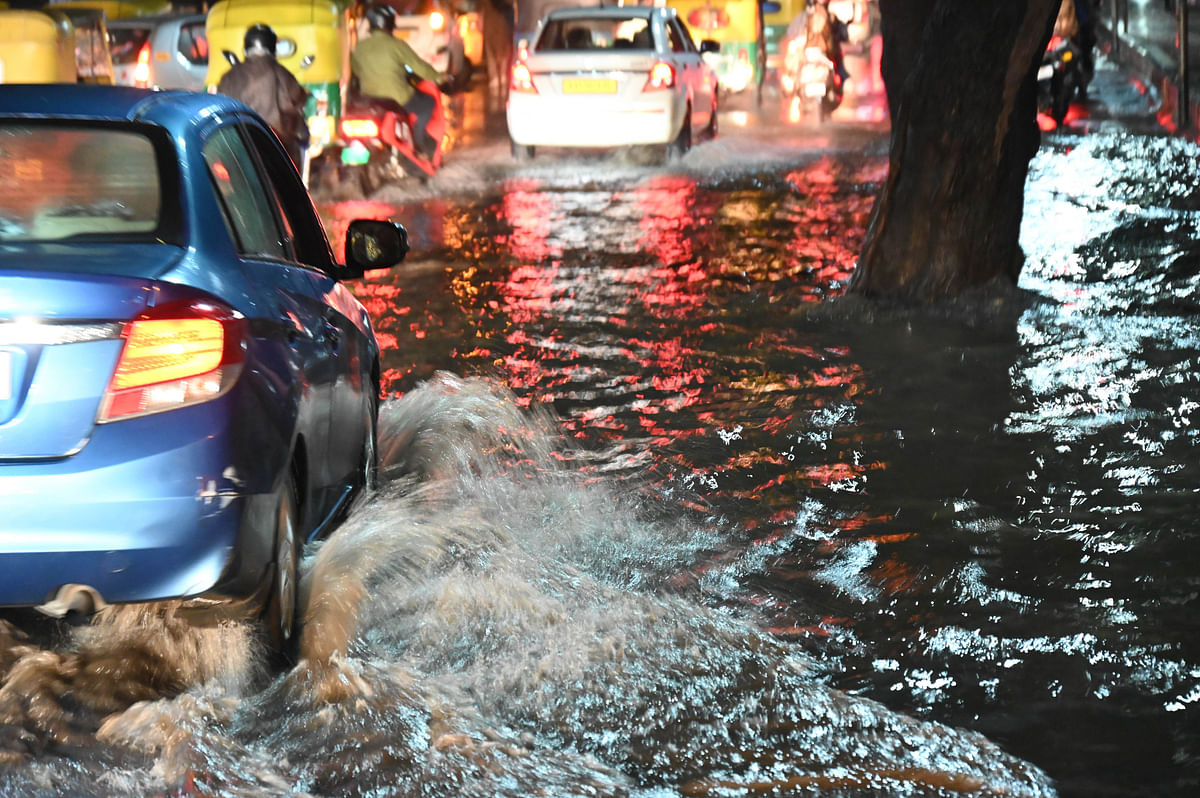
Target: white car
611,77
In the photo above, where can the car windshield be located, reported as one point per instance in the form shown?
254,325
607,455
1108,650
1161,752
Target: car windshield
65,181
595,33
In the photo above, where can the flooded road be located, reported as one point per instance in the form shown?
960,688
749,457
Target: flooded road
661,519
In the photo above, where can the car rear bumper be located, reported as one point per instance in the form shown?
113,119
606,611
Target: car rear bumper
151,508
579,122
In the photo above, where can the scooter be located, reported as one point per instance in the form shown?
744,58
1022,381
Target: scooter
812,78
378,142
1061,78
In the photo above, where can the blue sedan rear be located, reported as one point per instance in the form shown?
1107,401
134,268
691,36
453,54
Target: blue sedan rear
188,391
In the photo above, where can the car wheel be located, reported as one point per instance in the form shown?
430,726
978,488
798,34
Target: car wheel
682,142
279,617
710,132
522,152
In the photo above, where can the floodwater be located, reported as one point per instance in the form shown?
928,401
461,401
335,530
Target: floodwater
662,516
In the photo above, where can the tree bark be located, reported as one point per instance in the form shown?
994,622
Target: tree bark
961,85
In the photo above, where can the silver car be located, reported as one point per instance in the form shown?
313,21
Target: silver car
169,51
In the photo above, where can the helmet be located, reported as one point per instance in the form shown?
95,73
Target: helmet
260,39
381,17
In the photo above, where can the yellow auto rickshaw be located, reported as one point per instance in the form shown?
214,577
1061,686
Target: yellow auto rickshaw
93,58
315,40
54,46
36,47
738,26
116,9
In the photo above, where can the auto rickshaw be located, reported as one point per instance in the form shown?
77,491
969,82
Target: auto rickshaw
36,47
93,58
738,25
116,9
315,40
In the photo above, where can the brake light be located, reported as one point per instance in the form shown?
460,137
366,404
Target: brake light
360,128
178,355
437,20
522,79
662,76
141,70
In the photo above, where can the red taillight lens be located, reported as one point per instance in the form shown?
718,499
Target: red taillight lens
141,70
522,79
360,128
662,76
173,357
1055,43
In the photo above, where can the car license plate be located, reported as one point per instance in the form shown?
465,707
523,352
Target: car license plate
6,375
589,86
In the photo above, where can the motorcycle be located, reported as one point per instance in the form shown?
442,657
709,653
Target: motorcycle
1061,78
813,79
378,141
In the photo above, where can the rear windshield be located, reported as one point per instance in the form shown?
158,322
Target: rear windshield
595,33
126,43
68,182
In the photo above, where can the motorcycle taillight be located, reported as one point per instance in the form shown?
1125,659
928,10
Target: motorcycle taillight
359,127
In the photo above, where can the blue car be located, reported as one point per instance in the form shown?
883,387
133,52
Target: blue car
188,390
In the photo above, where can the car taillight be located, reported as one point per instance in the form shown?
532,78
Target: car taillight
662,76
141,70
175,356
360,128
437,20
522,79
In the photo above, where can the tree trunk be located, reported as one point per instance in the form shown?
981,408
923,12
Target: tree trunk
961,85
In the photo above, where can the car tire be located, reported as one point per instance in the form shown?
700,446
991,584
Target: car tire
683,142
522,152
279,619
710,132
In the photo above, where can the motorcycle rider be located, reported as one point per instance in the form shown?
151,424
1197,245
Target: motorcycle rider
379,61
822,29
270,89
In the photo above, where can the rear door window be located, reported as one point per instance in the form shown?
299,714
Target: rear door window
247,203
193,43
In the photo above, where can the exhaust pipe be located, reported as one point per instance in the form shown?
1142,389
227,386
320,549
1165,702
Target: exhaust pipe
82,599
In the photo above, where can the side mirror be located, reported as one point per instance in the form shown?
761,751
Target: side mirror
709,46
231,57
374,244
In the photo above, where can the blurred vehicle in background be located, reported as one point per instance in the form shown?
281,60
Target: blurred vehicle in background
116,9
811,78
775,25
738,26
36,47
93,60
379,143
431,29
602,77
160,52
188,390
